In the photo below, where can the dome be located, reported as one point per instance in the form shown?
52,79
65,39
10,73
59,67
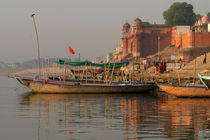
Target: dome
126,26
205,19
137,21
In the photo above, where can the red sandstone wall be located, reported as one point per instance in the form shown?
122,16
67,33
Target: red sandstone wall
125,46
149,44
202,39
186,40
149,41
173,35
198,39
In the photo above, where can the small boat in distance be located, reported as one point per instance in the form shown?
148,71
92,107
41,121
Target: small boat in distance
190,90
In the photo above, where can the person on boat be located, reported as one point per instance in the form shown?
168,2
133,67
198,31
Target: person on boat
156,65
139,68
163,66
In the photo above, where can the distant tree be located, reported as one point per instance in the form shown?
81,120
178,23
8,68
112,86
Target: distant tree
208,14
205,26
180,13
145,23
198,17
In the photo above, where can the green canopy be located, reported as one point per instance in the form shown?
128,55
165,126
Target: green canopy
88,63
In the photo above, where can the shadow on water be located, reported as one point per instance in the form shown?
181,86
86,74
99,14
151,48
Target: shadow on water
119,116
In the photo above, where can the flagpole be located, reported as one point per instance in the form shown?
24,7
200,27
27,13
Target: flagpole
37,39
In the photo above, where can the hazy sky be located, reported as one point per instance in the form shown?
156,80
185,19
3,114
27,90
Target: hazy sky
91,27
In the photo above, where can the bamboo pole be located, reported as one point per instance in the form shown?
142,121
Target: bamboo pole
59,72
129,76
107,75
118,73
42,69
94,77
48,67
104,73
194,75
112,74
178,77
74,75
53,71
123,75
79,72
126,76
69,69
86,74
83,72
64,73
91,73
37,39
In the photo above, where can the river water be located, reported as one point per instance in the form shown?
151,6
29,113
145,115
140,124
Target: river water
149,115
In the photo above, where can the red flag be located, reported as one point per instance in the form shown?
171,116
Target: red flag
71,50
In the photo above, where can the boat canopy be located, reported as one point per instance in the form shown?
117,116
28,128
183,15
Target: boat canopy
88,63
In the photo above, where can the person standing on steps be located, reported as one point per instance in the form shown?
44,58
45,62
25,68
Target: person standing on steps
204,59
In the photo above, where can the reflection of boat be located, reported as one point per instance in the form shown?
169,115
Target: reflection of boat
188,117
54,86
205,80
185,90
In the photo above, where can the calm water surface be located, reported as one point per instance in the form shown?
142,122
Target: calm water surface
27,116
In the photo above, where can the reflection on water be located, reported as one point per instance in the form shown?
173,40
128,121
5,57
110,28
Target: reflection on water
187,118
93,116
100,117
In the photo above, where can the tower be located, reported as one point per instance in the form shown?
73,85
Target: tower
125,31
136,41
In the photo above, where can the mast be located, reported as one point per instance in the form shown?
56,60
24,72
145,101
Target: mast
37,39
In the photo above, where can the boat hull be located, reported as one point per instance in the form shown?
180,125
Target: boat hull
205,80
42,86
184,91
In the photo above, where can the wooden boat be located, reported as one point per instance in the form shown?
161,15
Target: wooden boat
185,90
54,86
205,80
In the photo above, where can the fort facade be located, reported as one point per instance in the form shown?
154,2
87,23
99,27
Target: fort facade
143,40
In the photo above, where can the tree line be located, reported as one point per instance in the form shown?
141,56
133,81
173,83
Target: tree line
181,13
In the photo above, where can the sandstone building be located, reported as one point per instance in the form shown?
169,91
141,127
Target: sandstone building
143,40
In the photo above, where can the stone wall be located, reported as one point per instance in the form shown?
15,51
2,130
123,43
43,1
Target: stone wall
191,39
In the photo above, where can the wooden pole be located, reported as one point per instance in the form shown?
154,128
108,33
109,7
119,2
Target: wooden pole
86,74
69,69
112,74
74,74
107,75
48,67
178,77
42,69
83,72
64,75
53,71
194,75
118,77
129,76
59,72
37,39
104,73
